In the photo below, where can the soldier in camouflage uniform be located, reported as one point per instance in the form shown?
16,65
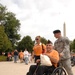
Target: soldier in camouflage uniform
62,46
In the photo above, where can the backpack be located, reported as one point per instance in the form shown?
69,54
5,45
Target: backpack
43,50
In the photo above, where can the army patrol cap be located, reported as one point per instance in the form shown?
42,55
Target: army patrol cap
56,31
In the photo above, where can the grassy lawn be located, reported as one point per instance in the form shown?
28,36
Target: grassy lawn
3,58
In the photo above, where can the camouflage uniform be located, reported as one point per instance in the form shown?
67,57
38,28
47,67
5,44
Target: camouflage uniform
62,46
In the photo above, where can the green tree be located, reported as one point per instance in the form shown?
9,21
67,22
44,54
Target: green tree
72,45
43,40
5,44
2,14
10,23
26,42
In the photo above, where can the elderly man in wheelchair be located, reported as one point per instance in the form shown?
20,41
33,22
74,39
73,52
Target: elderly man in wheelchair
43,69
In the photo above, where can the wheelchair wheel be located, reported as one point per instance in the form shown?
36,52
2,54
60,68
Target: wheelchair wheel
59,71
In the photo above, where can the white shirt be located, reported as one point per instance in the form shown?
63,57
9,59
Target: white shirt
26,53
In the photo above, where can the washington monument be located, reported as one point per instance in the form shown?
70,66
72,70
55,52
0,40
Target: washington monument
64,29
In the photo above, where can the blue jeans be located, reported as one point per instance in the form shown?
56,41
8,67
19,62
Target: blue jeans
26,59
15,58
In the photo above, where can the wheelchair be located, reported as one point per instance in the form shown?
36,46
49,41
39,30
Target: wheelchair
57,71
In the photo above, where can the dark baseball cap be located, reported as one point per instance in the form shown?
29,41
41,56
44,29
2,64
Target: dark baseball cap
56,31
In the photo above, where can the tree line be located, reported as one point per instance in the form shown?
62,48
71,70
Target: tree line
9,27
9,36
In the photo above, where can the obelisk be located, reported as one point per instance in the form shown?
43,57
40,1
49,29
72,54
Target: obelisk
64,29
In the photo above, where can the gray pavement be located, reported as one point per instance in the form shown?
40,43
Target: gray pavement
11,68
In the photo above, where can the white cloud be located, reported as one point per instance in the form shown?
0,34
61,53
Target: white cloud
41,17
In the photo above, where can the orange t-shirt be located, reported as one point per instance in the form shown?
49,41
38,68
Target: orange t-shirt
38,49
55,55
21,54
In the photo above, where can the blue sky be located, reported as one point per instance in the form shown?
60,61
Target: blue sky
41,17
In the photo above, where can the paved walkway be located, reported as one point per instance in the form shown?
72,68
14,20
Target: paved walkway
11,68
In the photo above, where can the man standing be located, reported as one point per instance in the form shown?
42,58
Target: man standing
15,56
62,46
26,58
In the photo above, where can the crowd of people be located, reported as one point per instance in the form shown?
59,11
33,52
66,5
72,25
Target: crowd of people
22,56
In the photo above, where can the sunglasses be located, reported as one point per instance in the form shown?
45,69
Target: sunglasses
36,39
